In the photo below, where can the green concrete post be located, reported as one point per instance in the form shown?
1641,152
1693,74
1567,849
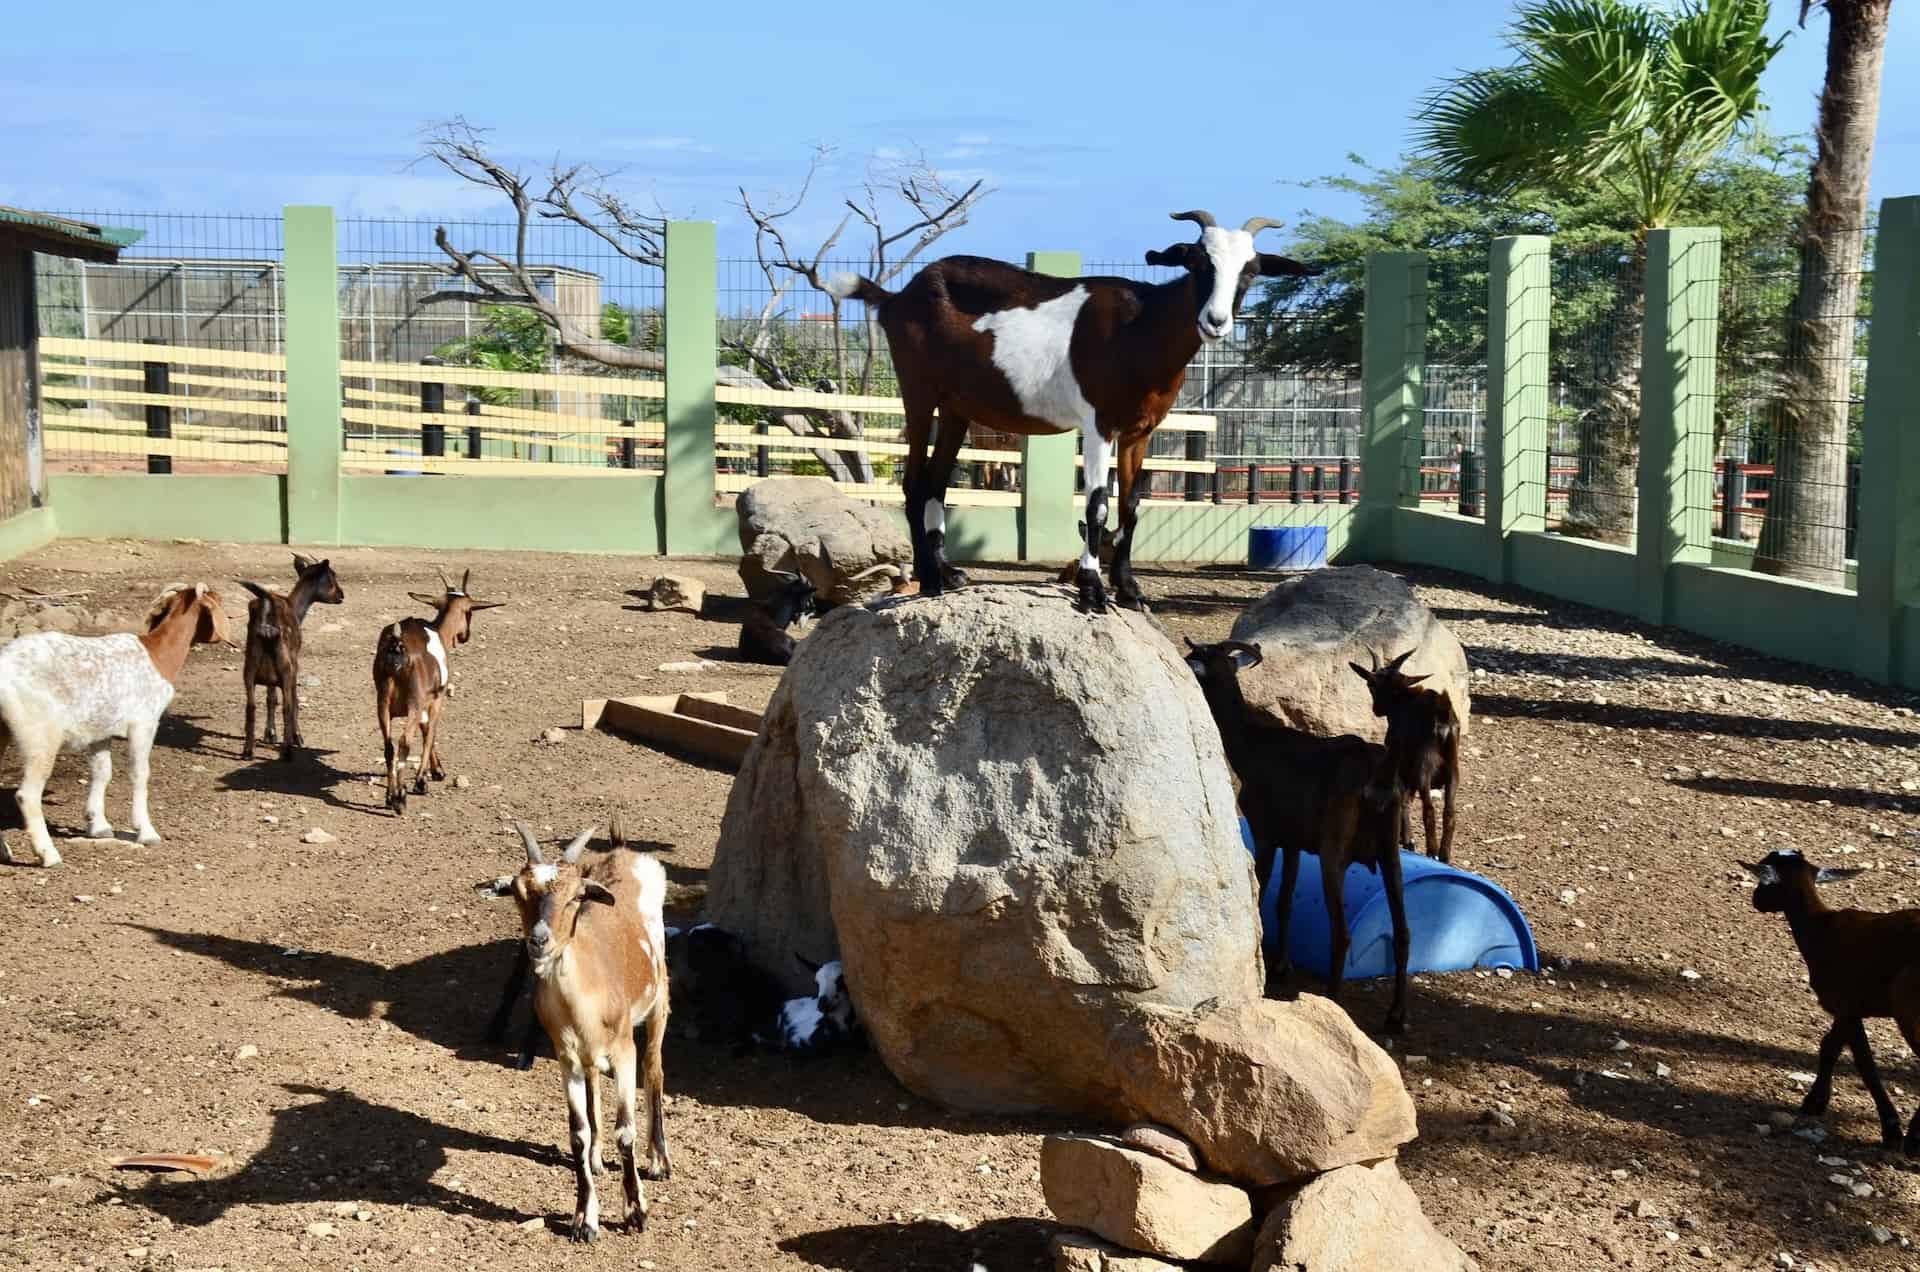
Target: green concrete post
692,340
1888,546
1678,365
313,376
1047,523
1519,312
1393,357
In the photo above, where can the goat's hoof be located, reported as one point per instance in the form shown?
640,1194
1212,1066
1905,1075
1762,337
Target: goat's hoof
523,1062
1134,601
1396,1022
100,830
953,576
582,1233
148,838
638,1219
246,752
420,785
1093,593
1815,1104
655,1173
1891,1136
1913,1146
438,775
287,755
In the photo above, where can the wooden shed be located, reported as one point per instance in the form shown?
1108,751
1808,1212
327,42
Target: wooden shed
22,234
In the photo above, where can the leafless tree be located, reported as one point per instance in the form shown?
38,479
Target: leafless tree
579,194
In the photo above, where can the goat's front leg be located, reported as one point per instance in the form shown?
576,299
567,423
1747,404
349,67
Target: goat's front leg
100,766
626,1101
1821,1091
581,1097
1446,813
1890,1136
434,768
952,431
1333,883
1283,910
1402,939
1096,453
510,993
140,760
427,729
1427,823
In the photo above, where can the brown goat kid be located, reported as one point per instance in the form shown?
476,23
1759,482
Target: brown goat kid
1862,965
273,645
597,946
410,681
1423,745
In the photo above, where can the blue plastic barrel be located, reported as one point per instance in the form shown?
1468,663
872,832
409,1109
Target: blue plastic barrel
1455,919
1286,547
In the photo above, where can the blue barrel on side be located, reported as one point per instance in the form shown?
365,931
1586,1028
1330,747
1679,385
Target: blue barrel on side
1455,919
1286,547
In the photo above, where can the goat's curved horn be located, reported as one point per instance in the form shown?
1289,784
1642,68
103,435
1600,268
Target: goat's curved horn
1190,645
885,567
1255,224
1375,655
578,846
1397,663
443,578
1199,217
533,845
464,576
1245,648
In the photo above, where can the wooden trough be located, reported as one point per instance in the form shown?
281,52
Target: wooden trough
704,723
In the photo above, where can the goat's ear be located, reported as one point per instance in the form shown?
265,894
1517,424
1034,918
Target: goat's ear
301,561
1762,871
1179,256
477,606
431,602
806,962
494,889
1828,874
594,890
1272,266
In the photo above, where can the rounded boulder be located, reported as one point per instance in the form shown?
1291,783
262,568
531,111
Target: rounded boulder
805,526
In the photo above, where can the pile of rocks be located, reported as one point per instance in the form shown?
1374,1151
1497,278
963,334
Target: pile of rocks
24,617
1145,1203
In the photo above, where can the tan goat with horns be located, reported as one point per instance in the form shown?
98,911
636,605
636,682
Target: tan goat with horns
598,948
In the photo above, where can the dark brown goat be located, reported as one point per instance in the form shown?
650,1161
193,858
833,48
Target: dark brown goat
1423,744
1862,965
985,344
410,680
273,645
1301,792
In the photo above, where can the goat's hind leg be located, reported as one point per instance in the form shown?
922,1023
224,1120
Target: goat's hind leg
1096,453
1333,884
272,734
951,432
100,772
626,1100
36,766
659,1162
1905,993
1283,911
1402,939
1890,1136
246,747
1821,1091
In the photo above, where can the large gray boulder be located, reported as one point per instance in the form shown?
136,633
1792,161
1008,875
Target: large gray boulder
1309,628
1014,824
796,524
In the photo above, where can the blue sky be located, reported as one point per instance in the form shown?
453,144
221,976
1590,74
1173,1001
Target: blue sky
1091,120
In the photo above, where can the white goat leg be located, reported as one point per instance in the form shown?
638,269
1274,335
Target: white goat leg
626,1065
139,759
36,765
100,765
586,1207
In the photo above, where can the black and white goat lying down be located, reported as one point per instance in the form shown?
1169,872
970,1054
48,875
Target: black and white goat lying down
727,1000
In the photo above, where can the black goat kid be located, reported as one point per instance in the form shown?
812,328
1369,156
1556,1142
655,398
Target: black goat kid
1423,745
1301,792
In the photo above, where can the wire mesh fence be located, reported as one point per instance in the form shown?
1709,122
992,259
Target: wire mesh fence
1592,460
1454,414
544,347
168,360
1792,391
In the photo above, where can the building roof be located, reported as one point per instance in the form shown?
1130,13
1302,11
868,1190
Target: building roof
59,236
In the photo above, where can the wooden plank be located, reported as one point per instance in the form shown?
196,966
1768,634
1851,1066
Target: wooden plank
256,450
719,711
128,397
655,719
108,425
487,467
198,381
409,373
128,351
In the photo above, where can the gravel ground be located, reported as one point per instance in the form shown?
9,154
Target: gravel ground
1629,1107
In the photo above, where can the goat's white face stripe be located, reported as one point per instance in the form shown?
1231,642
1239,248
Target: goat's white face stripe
1096,453
547,872
1228,251
1032,348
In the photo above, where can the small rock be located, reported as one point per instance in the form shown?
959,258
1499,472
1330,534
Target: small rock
1660,1070
1780,1120
1167,1145
1881,1236
554,737
317,836
957,1222
1687,973
1568,896
1620,1044
532,1225
345,1209
320,1228
677,592
1861,1189
137,1252
309,681
83,899
1783,1260
362,1216
1643,1209
1801,1076
702,664
247,1052
462,782
1703,1252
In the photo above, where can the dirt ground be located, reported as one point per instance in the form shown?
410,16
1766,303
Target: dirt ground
313,1011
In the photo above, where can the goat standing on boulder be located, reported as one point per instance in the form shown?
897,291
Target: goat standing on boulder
273,645
78,693
410,681
597,946
986,344
1862,964
1301,792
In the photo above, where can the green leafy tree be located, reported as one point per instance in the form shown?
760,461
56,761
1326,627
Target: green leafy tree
1606,95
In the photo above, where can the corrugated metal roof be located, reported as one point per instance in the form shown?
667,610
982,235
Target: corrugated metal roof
62,237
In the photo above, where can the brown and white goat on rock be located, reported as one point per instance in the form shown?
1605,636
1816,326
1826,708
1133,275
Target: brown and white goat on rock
597,946
273,645
1862,965
78,693
984,343
410,681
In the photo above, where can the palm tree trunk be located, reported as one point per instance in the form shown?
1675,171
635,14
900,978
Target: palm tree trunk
1804,535
1602,502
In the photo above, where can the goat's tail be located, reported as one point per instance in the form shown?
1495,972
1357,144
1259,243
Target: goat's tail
262,615
393,651
850,286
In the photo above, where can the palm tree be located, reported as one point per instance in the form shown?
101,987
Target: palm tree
1603,92
1804,534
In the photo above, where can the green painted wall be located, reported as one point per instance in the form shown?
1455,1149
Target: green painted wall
1889,540
537,514
1445,539
232,509
692,525
1393,358
313,376
1519,397
1598,574
1730,555
1782,617
25,532
1907,641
